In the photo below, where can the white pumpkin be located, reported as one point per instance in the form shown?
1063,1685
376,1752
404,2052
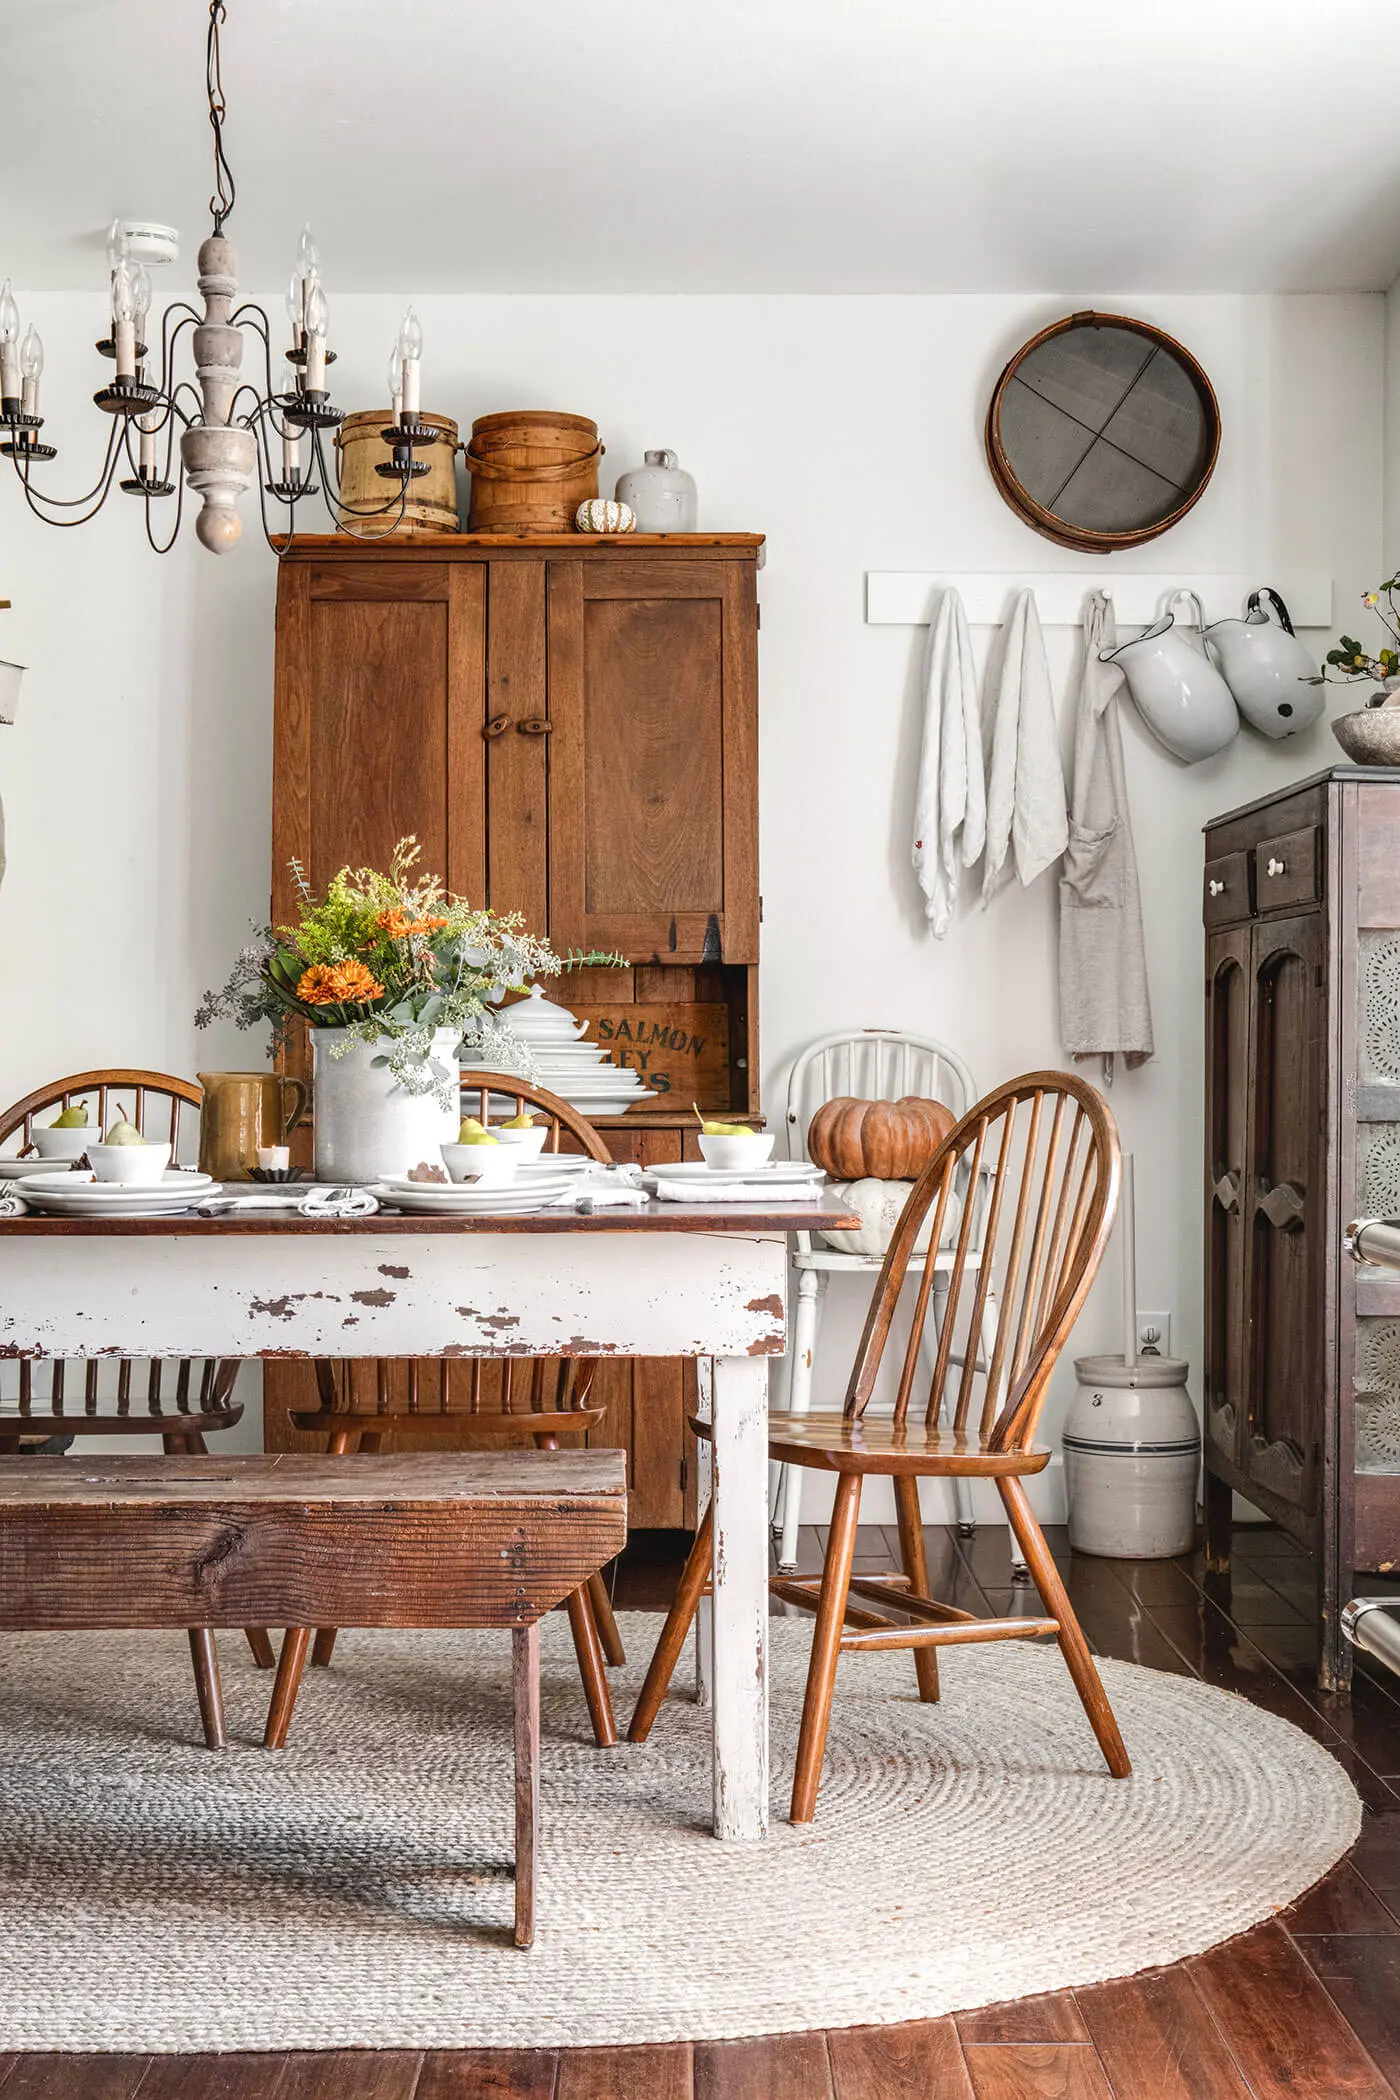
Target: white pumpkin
602,516
878,1204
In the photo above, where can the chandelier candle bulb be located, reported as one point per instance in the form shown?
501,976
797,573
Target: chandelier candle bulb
9,346
395,384
411,355
31,362
317,328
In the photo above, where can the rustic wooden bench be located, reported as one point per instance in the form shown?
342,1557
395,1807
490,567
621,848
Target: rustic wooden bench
416,1539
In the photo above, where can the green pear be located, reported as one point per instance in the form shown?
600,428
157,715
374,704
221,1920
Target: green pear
477,1137
74,1118
123,1132
520,1122
713,1129
468,1130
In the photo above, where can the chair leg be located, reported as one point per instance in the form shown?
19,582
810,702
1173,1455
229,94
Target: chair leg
342,1444
915,1563
284,1692
804,1349
205,1657
1073,1645
589,1649
607,1625
263,1653
826,1648
525,1679
662,1667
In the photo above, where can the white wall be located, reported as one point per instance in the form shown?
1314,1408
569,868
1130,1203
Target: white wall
849,430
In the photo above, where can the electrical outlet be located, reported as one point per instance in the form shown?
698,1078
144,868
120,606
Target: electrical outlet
1154,1332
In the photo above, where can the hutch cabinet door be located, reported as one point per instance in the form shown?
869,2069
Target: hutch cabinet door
653,846
380,691
1228,975
1286,1208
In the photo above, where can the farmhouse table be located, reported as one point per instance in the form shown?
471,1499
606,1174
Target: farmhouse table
668,1280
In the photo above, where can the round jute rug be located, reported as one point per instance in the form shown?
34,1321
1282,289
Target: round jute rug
354,1890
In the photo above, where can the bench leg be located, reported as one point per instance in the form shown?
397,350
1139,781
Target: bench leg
284,1692
525,1675
343,1444
205,1657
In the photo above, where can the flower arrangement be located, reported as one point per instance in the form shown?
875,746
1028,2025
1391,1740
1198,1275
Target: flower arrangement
1349,660
391,958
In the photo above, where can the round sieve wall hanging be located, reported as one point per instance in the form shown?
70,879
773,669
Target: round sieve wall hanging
1102,432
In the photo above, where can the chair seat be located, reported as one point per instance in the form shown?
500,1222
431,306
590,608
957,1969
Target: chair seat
875,1444
454,1421
139,1421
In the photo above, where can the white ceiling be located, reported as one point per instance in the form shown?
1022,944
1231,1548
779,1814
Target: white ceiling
723,145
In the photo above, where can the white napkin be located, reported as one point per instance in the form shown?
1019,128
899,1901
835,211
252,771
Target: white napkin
600,1195
751,1192
329,1202
11,1205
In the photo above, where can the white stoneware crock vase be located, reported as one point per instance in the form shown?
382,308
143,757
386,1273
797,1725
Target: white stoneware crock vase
1132,1457
367,1125
660,494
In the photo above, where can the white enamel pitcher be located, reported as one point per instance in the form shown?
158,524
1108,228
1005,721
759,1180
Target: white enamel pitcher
1266,667
1178,691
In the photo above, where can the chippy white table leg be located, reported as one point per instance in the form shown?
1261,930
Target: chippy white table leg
739,1487
704,1617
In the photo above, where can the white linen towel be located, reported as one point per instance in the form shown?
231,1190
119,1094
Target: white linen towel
950,811
1025,780
759,1193
1104,1005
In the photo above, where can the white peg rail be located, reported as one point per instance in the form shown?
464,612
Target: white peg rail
907,597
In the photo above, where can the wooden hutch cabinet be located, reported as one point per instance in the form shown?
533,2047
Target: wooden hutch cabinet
569,727
1302,1349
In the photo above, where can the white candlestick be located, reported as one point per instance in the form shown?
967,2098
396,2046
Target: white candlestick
276,1158
9,371
30,401
315,364
411,366
291,455
124,342
148,450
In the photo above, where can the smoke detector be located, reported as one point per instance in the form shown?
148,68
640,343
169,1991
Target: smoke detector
149,242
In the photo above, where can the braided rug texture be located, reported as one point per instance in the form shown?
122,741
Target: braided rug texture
354,1890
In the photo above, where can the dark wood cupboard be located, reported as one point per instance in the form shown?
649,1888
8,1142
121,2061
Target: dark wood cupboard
569,727
1301,905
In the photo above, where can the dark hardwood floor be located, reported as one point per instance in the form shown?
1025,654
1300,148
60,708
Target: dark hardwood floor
1306,2006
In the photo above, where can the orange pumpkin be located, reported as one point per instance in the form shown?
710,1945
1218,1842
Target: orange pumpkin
877,1140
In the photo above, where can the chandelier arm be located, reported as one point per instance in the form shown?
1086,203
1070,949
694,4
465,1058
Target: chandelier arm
101,484
188,318
225,191
179,511
343,510
100,492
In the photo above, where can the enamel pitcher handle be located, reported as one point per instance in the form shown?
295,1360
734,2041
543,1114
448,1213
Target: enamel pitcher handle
1256,604
1191,599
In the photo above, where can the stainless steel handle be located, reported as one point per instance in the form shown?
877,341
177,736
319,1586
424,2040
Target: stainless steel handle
1217,889
1275,867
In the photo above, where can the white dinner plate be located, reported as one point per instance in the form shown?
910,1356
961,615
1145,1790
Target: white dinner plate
457,1202
13,1169
784,1170
590,1105
551,1163
400,1184
105,1199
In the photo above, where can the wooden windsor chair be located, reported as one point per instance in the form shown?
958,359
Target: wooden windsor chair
523,1400
1043,1152
179,1399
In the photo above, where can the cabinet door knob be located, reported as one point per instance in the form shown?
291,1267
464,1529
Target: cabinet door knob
1217,889
497,725
1275,867
534,725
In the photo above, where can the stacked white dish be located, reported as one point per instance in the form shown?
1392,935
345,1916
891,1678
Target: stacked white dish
578,1072
82,1196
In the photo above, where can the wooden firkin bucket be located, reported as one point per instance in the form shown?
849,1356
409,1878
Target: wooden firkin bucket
530,470
431,503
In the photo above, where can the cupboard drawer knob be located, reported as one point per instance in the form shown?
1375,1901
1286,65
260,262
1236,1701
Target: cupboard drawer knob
1217,889
1275,867
534,725
497,725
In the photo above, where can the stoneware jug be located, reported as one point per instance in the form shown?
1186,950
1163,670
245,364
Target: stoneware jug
1178,692
1266,667
661,495
1132,1448
366,1124
241,1111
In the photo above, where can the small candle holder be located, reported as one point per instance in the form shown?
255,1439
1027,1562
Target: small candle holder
298,357
292,491
410,433
145,485
127,397
277,1177
107,348
310,411
24,444
403,467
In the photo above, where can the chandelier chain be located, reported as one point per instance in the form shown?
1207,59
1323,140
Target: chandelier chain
221,203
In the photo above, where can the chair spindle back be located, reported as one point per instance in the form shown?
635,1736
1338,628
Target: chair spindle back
1035,1169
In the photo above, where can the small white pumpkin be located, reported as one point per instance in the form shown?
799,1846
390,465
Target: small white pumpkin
602,516
878,1204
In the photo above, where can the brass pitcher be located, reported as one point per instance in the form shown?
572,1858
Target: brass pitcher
240,1111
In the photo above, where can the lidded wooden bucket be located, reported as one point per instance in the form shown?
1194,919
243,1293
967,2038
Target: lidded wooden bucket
430,505
530,470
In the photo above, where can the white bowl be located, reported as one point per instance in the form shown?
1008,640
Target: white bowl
751,1150
134,1166
488,1166
528,1144
65,1144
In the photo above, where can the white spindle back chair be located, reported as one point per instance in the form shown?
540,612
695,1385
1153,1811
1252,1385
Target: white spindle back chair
873,1064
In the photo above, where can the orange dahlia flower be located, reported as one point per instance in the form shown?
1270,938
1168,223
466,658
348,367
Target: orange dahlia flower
338,984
